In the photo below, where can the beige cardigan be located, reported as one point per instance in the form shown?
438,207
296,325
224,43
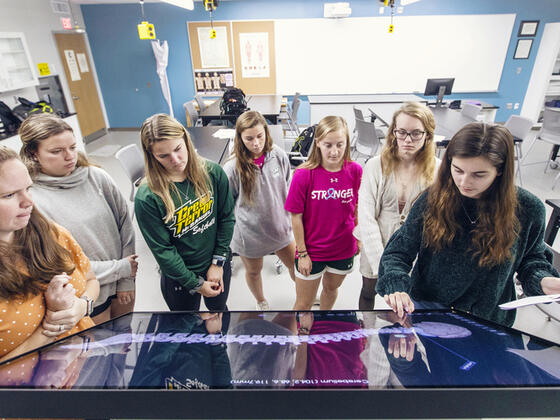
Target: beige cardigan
378,213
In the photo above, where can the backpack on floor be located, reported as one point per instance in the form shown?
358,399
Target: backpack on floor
303,143
233,103
10,121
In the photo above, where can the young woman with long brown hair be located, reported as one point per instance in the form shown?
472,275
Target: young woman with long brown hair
259,177
323,201
469,234
390,184
85,200
185,213
46,284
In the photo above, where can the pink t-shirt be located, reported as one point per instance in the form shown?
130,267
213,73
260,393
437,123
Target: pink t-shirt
328,202
259,161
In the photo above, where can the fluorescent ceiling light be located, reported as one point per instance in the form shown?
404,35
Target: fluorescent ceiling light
185,4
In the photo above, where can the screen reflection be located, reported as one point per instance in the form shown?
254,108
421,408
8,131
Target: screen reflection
293,350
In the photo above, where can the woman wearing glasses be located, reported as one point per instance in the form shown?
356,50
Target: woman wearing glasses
391,182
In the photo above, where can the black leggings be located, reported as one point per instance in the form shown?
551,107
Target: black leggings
178,297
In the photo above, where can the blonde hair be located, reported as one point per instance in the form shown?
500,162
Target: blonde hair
36,245
160,127
425,156
244,161
34,130
324,127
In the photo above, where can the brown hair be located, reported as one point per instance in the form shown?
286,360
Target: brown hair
498,225
324,127
425,156
34,250
244,161
39,127
161,127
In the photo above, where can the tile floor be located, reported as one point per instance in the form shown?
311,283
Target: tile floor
279,288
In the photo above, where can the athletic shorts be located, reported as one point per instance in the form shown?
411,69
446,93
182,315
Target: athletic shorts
318,268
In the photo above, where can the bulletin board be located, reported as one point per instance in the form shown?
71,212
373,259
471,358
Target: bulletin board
255,58
359,55
199,35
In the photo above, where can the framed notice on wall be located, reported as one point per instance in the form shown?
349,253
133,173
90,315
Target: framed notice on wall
523,49
255,60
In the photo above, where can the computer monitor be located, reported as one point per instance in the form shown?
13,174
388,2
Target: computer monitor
439,87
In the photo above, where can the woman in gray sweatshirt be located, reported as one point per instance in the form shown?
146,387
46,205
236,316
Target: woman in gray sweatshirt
259,178
86,201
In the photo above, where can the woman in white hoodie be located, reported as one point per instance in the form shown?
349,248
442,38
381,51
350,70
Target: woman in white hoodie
259,177
86,201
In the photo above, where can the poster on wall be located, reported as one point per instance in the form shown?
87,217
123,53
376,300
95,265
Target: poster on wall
212,82
255,60
82,62
213,52
72,65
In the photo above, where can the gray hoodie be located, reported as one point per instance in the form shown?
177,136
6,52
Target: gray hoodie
89,204
263,226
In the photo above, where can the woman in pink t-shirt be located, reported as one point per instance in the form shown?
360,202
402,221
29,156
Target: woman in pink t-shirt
323,202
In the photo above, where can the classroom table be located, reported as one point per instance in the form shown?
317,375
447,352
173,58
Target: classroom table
243,365
268,105
216,149
448,121
208,146
322,105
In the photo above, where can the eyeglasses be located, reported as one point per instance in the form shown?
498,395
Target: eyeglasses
415,135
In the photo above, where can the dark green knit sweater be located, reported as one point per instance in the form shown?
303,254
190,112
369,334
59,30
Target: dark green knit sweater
452,276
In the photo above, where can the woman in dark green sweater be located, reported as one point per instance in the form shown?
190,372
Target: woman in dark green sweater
185,213
471,232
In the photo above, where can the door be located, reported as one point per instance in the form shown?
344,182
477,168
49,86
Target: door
75,60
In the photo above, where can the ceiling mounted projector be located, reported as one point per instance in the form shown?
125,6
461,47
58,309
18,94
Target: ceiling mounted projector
337,10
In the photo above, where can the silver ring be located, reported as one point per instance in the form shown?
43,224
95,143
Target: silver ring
61,327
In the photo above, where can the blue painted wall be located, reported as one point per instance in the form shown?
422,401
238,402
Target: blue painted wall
126,65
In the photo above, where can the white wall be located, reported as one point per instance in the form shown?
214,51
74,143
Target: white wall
36,20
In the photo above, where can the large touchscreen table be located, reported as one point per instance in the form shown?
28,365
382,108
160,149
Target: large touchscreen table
337,364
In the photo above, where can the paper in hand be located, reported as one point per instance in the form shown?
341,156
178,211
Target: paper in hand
532,300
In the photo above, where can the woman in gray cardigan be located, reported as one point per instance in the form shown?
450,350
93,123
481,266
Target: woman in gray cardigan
259,178
86,201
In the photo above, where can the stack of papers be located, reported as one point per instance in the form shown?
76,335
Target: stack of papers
533,300
224,133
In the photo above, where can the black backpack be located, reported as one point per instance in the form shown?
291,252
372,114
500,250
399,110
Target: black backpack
303,144
10,121
27,107
233,104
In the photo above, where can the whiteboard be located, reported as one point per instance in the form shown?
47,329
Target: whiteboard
358,55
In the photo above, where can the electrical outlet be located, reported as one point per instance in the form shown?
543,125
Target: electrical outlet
509,105
516,105
518,70
400,9
381,10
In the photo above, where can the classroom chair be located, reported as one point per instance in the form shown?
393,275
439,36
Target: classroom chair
200,102
470,110
359,115
192,115
519,127
289,117
549,133
132,161
367,142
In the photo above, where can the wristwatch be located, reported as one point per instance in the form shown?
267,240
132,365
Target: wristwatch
218,260
89,304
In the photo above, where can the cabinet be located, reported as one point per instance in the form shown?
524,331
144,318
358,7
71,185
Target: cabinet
16,68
